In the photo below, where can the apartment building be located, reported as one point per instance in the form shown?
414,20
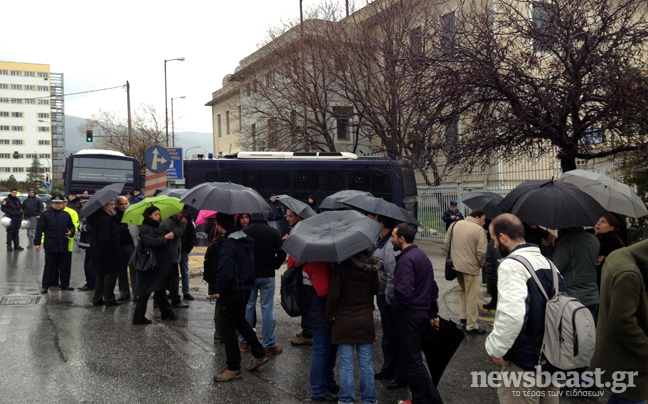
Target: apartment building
31,120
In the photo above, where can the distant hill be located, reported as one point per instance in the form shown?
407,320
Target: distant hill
75,140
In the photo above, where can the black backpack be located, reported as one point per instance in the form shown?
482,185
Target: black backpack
210,264
294,299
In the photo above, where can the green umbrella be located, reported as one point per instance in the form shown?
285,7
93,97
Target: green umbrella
168,206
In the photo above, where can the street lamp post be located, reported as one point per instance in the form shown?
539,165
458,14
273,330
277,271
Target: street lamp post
166,99
173,121
191,148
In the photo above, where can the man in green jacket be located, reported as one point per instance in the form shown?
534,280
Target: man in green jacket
622,329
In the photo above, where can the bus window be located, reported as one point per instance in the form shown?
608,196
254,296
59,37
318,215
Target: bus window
360,181
337,181
381,186
249,178
266,180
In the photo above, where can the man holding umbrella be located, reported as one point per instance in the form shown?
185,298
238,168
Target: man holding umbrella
234,281
106,253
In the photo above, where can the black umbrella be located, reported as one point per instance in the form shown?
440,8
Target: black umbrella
334,201
297,206
331,237
486,201
439,346
225,197
554,205
173,192
100,198
379,206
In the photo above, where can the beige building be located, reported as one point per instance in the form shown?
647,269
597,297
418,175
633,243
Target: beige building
226,118
28,113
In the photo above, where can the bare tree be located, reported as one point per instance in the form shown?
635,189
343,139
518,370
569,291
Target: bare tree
566,77
111,131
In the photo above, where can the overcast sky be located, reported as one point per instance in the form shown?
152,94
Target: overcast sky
98,45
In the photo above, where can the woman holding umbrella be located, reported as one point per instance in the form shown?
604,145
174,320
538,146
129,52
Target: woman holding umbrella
154,281
606,232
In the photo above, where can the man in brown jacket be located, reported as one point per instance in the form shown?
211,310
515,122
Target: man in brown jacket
468,252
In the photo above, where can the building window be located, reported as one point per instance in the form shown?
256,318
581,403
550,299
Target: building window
43,129
16,86
43,88
448,33
452,139
4,100
30,101
273,136
17,128
16,114
29,87
30,74
43,115
43,142
16,73
5,169
4,72
16,100
248,89
270,79
416,42
343,119
218,126
17,141
19,169
541,16
253,135
4,86
5,141
5,155
42,74
4,127
4,114
255,86
227,123
43,102
45,156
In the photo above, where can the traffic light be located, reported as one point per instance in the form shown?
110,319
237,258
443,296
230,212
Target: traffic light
88,136
16,155
46,177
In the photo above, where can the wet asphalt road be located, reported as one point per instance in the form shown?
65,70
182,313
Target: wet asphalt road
61,349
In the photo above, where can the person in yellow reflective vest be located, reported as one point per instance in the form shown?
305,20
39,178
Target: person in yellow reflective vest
61,275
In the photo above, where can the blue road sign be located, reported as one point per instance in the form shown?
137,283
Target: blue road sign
174,172
157,159
46,185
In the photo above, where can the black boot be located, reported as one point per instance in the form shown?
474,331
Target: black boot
9,239
16,241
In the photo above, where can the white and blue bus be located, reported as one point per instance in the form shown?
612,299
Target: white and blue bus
92,169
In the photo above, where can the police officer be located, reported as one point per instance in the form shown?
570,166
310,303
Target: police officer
12,208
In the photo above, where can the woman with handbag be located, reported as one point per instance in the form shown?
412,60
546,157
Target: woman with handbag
153,280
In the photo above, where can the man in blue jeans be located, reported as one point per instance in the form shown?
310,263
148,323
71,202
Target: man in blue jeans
414,304
268,257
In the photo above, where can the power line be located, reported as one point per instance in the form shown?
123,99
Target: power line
81,92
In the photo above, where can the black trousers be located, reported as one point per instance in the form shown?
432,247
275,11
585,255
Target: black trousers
105,287
90,274
174,283
54,263
232,311
411,332
122,269
392,364
163,303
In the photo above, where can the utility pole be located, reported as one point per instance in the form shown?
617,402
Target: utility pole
130,127
303,58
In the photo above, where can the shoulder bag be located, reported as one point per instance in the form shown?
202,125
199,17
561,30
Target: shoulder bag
143,259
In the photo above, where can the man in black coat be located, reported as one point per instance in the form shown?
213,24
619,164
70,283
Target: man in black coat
58,228
105,253
32,207
12,209
268,257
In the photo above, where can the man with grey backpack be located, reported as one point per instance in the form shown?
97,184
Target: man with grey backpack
532,299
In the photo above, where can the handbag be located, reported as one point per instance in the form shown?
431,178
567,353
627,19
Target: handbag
143,259
450,272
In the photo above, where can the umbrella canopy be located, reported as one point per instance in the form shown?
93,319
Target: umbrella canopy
335,201
297,206
225,197
100,198
174,192
381,207
486,201
168,206
613,195
554,205
203,215
331,237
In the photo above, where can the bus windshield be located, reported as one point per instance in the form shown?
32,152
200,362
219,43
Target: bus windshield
92,170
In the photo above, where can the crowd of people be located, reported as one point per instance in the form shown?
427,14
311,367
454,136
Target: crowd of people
245,253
